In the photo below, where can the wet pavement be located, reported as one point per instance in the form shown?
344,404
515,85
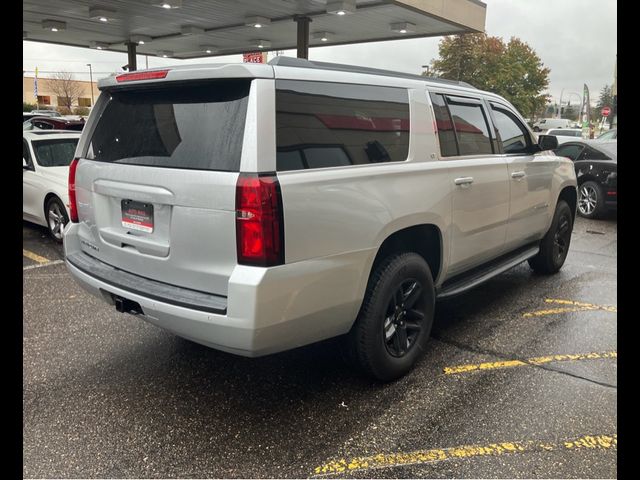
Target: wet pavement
520,381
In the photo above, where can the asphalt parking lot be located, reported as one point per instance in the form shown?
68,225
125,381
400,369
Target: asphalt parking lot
520,382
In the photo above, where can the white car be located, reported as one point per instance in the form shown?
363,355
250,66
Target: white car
547,123
46,155
565,134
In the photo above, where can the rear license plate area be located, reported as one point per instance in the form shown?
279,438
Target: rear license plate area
137,216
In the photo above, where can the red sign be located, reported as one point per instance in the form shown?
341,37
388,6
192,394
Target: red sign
253,57
605,111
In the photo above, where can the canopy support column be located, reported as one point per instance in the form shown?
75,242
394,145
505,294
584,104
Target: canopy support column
303,35
131,53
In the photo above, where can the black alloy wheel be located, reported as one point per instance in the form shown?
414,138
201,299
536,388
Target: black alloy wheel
392,330
562,238
403,322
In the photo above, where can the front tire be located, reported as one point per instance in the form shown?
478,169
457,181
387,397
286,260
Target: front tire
554,247
57,218
590,200
394,323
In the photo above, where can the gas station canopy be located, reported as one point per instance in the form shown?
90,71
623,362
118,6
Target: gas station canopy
205,28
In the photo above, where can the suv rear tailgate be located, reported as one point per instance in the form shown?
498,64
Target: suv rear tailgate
155,184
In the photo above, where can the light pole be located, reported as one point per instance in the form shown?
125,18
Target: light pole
559,114
91,78
579,98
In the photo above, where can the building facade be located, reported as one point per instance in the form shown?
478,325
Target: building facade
48,98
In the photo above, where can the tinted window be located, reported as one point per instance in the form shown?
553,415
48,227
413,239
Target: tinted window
446,135
570,151
610,135
42,125
196,126
25,152
593,154
329,125
511,133
471,127
55,153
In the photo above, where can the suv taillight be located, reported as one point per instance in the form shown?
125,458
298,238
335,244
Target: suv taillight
73,207
259,220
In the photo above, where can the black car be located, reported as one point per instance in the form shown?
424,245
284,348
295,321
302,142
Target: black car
596,164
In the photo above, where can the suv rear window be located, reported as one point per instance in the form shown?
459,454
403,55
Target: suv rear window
321,124
196,126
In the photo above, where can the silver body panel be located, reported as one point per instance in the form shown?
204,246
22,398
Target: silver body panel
335,219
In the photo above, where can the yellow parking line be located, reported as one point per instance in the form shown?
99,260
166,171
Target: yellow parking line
466,451
554,311
34,257
531,361
608,308
573,306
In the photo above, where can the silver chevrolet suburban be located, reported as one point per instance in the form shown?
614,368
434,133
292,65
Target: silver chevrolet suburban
258,208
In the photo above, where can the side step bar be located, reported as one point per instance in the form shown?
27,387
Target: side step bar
478,275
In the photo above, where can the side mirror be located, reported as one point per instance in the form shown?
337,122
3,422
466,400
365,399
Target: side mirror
25,165
547,142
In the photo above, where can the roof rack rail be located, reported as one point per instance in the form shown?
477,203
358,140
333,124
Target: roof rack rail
303,63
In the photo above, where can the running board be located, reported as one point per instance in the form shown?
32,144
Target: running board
478,275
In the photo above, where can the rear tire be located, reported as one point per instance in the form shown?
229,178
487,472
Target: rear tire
555,244
56,217
394,323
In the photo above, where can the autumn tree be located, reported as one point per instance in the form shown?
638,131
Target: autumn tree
64,86
512,70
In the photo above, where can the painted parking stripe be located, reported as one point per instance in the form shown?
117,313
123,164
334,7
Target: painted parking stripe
571,306
33,256
418,457
607,308
531,361
40,265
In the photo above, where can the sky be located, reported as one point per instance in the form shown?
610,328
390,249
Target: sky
576,39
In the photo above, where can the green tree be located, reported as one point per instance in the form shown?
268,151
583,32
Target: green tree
512,70
27,107
605,100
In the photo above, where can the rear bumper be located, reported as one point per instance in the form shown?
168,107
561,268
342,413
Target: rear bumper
611,198
267,309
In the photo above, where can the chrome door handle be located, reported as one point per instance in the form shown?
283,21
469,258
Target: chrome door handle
463,181
518,175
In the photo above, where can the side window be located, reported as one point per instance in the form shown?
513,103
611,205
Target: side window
592,154
42,125
25,152
321,124
569,151
446,135
471,127
511,133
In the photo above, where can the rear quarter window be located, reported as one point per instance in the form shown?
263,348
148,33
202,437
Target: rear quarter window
54,153
192,126
320,124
